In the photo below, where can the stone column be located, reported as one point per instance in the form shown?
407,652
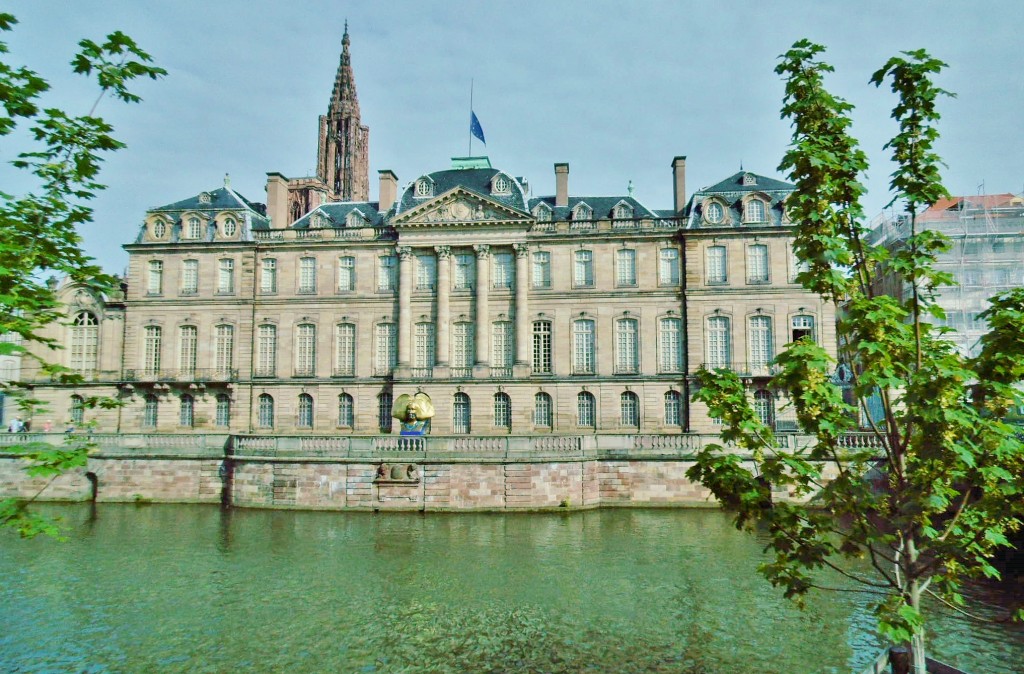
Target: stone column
522,364
444,284
404,309
483,312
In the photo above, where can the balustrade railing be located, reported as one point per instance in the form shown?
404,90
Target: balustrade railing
422,372
501,372
461,372
745,369
392,443
182,375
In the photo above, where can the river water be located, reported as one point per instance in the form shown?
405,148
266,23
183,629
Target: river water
140,588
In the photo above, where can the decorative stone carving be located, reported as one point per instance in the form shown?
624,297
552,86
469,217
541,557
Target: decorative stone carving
483,251
443,252
404,252
522,249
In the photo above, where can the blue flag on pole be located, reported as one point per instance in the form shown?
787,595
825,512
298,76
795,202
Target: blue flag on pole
475,128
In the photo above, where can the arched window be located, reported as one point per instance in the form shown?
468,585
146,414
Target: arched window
384,403
622,212
85,335
673,409
764,407
192,231
265,411
754,211
186,411
77,409
149,411
502,410
586,409
542,410
714,213
305,416
346,410
760,342
223,417
230,227
461,414
159,229
629,408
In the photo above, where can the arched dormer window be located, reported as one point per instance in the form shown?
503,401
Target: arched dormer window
159,229
230,226
501,185
755,210
714,213
542,212
622,211
424,188
193,228
355,219
582,211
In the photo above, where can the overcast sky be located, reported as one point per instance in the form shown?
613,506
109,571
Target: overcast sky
614,88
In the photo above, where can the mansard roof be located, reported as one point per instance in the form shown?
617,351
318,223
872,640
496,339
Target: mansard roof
220,199
731,194
734,183
477,180
249,214
602,206
336,214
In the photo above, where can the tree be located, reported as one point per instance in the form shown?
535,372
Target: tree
39,231
952,469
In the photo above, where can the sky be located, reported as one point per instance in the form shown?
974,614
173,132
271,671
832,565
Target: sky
616,89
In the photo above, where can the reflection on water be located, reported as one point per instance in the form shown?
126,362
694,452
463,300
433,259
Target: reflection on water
197,588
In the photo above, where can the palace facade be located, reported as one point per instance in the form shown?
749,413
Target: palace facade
516,314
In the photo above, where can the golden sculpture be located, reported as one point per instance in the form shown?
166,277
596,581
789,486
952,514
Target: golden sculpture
413,411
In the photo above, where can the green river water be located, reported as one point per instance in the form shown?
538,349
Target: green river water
154,588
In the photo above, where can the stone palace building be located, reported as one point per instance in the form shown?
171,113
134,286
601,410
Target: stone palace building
517,314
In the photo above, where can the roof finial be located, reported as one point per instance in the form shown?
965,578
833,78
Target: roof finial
629,189
344,38
741,164
227,180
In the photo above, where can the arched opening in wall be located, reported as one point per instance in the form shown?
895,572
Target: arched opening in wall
94,486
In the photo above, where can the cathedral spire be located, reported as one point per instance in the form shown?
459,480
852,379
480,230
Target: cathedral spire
343,152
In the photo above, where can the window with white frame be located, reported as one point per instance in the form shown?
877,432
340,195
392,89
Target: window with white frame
796,266
346,273
502,410
668,267
222,416
230,227
716,264
627,347
186,411
542,410
266,351
582,212
461,414
265,411
307,275
583,346
188,340
384,404
714,213
465,270
670,345
226,275
542,347
150,411
345,350
77,411
189,277
304,418
760,342
424,188
462,345
268,275
426,272
385,355
542,212
85,338
541,269
346,410
224,348
622,212
192,228
504,270
423,345
305,350
625,267
501,185
502,344
387,272
803,326
159,229
155,278
757,263
586,409
673,409
718,342
583,269
764,407
754,211
629,410
151,348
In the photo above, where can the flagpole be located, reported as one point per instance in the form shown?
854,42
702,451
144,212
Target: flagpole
470,154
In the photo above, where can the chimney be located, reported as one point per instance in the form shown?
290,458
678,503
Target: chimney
277,200
679,182
561,184
388,190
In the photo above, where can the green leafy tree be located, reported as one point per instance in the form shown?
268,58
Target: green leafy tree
939,491
39,230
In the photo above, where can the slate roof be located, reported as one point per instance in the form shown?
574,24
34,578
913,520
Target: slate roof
251,215
476,180
731,192
734,183
602,207
337,213
222,198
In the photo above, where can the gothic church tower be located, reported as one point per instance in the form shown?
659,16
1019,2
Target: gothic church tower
343,152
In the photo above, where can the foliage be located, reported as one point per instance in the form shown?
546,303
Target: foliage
942,488
39,230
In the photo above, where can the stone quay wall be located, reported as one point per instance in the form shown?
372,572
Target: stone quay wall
376,473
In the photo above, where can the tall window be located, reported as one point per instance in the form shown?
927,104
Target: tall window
386,355
346,410
502,410
268,275
305,411
673,409
230,227
670,345
387,272
186,411
465,270
625,267
149,411
542,410
346,273
189,277
77,409
542,347
583,269
424,345
754,211
384,402
266,351
265,411
586,408
223,417
718,342
151,349
345,355
305,350
461,414
627,348
224,348
226,275
502,344
307,275
192,228
760,342
803,326
542,269
85,336
188,340
583,347
764,407
155,279
629,410
716,264
504,270
757,263
426,272
668,267
462,345
796,266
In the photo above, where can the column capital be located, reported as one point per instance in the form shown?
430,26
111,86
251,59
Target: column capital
482,251
404,252
443,252
522,249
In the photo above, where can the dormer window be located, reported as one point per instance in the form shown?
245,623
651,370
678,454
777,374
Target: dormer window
501,185
230,227
622,212
204,198
582,212
714,213
355,219
192,228
159,229
542,212
319,221
424,188
754,211
749,179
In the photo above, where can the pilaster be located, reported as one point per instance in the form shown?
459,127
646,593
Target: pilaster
444,284
521,368
483,312
404,310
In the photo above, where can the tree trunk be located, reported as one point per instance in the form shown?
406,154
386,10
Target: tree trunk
918,663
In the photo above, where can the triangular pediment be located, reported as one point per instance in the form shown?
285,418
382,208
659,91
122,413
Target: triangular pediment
459,206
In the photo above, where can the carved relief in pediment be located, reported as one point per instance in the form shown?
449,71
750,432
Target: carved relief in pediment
461,210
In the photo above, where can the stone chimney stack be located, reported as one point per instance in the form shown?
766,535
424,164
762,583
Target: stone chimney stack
277,200
388,189
679,183
561,184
